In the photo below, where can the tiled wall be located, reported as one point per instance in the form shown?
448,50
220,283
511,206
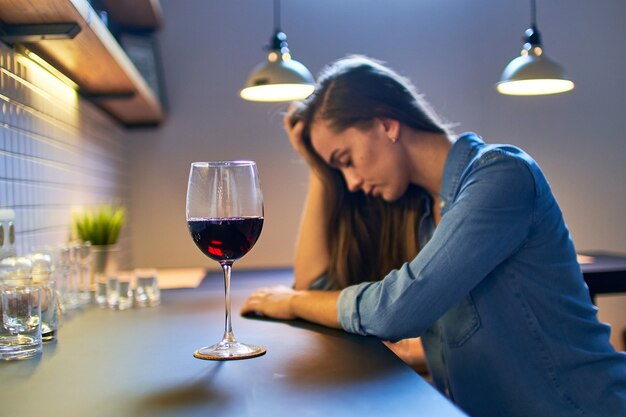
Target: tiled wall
58,153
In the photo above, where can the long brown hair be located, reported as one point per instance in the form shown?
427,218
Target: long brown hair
366,237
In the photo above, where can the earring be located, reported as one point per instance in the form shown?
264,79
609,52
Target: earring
393,139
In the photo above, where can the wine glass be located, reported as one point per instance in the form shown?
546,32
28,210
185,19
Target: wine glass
225,218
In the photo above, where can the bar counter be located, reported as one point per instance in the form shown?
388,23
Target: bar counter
139,362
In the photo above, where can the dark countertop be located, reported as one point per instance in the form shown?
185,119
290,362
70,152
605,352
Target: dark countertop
139,362
604,272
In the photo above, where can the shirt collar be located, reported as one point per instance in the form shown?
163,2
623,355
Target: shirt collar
462,151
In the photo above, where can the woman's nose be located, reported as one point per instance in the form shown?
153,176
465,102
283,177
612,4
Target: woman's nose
353,181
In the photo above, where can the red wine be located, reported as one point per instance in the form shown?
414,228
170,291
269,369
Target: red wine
225,239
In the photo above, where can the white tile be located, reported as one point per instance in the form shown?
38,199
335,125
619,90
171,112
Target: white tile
51,160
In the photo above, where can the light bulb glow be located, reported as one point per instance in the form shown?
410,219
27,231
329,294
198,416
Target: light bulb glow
277,92
51,69
534,87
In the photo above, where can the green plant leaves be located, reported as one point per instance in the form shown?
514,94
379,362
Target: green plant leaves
101,226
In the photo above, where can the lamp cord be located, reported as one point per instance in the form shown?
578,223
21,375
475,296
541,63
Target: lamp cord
277,15
532,36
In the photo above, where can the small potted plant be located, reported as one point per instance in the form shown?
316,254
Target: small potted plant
101,227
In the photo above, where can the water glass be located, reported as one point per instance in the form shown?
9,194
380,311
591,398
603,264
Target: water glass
49,311
101,289
119,292
147,293
43,278
20,333
87,284
67,279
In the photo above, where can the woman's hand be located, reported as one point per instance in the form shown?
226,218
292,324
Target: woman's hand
411,352
294,133
284,303
294,127
274,302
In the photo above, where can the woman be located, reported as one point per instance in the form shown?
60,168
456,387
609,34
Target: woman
494,291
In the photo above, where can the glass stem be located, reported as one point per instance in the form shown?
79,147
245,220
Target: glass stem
228,328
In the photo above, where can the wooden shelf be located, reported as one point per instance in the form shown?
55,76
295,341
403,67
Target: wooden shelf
140,14
93,59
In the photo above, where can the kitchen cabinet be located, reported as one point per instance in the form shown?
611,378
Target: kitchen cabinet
93,59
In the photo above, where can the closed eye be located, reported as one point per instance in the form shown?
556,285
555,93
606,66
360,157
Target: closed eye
340,159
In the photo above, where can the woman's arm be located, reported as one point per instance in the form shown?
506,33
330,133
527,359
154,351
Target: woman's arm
312,257
320,307
285,303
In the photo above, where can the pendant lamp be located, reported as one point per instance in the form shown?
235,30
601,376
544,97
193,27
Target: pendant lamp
280,78
533,73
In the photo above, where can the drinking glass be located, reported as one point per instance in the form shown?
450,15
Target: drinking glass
147,293
20,330
225,218
119,292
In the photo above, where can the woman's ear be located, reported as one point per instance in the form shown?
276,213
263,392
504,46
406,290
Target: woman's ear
391,128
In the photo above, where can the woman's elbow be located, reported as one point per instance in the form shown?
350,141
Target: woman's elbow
394,327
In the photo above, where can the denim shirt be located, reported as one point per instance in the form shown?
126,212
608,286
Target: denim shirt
497,296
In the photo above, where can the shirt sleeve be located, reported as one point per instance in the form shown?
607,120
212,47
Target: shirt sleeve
488,221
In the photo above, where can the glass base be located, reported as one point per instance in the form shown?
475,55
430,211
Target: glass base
229,350
19,347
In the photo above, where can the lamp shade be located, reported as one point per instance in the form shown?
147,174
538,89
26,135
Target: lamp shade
533,74
280,78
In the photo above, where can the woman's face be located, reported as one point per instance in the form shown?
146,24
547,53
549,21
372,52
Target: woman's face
369,159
